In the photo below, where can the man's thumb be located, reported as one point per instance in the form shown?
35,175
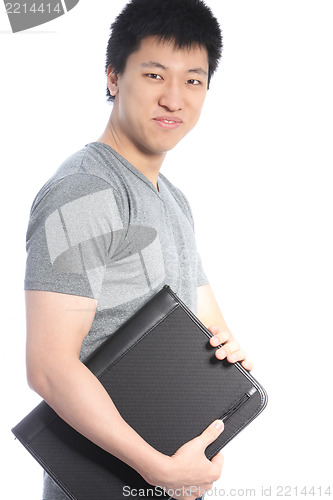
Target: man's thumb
212,432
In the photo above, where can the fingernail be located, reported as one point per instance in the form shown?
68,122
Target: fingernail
219,425
221,353
232,358
214,341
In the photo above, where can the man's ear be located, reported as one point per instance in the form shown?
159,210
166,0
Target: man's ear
112,79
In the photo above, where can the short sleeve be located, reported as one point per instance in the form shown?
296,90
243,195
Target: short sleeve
70,237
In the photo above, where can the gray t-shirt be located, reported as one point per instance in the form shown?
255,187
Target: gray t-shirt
99,228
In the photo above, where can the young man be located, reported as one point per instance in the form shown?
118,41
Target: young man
108,230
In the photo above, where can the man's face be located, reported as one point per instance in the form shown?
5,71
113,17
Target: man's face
159,96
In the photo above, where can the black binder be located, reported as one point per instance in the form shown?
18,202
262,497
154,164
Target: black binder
158,366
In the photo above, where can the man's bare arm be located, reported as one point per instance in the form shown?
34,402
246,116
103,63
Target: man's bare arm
56,326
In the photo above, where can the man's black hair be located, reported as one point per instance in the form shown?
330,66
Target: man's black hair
184,22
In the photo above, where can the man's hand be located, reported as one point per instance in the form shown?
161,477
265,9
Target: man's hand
230,348
211,316
188,474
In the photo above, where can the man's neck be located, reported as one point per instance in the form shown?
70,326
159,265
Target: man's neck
148,165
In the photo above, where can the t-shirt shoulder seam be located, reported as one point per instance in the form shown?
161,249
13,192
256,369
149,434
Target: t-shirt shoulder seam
87,174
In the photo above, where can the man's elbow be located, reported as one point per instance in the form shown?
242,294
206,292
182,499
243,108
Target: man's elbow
48,375
42,375
36,379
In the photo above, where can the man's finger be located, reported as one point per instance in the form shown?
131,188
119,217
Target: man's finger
219,337
248,365
237,356
227,349
211,433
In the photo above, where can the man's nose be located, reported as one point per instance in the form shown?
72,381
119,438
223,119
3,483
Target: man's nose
172,97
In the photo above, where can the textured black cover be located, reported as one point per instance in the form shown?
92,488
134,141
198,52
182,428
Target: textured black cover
163,376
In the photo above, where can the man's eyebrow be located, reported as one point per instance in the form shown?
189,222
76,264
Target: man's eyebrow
155,64
199,71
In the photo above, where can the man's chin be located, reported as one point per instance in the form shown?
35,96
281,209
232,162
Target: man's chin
163,148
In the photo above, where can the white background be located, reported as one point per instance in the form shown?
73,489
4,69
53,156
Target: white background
257,171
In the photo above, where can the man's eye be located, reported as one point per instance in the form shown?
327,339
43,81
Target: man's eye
194,82
154,76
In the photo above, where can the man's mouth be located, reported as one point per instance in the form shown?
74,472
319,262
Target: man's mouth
168,123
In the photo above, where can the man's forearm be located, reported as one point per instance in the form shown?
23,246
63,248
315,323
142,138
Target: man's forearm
80,399
209,312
